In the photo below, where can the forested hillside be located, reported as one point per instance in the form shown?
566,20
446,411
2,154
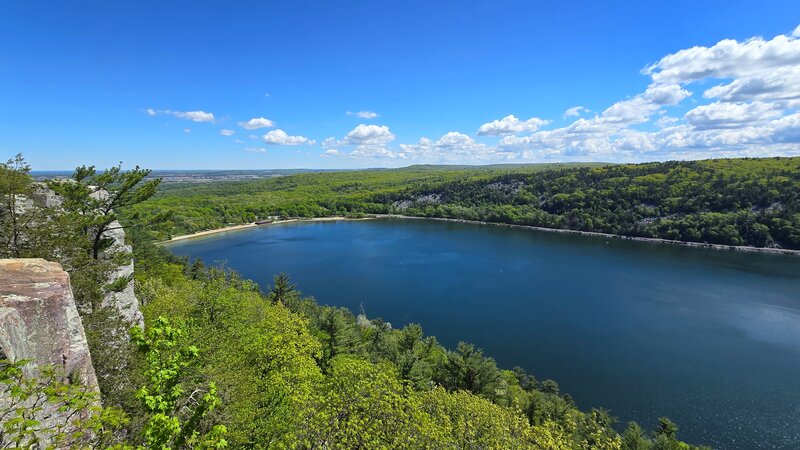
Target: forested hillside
752,202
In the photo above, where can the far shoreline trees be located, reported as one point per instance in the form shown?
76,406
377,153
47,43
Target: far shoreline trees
752,202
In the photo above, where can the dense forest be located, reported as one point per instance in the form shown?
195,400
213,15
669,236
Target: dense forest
221,363
753,202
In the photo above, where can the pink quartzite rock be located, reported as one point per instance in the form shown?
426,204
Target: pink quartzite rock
39,320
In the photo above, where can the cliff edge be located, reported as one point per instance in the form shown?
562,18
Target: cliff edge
39,320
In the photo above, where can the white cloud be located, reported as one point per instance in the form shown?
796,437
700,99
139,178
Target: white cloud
731,115
510,124
255,149
639,108
575,111
187,130
227,132
369,135
779,85
452,147
758,68
280,137
726,59
331,152
194,116
363,114
256,123
239,141
372,152
368,141
752,112
796,32
666,121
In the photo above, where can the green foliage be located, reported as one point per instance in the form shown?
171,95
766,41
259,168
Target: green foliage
282,291
362,405
97,197
119,284
467,369
174,416
15,186
41,407
468,421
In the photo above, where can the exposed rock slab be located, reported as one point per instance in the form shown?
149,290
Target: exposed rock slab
39,320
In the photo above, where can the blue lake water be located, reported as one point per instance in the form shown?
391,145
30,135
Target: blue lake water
708,338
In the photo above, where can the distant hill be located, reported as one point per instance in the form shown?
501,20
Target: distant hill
754,202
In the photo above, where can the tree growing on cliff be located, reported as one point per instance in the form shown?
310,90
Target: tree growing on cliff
15,189
99,196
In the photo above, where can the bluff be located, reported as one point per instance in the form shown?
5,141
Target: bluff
39,320
123,299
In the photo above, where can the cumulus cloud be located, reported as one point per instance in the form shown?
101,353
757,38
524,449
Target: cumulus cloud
363,114
758,68
779,85
749,110
452,147
510,124
369,135
331,152
194,116
575,111
367,141
255,149
227,132
280,137
731,115
256,123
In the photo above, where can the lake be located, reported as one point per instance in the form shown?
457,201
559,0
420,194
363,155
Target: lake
708,338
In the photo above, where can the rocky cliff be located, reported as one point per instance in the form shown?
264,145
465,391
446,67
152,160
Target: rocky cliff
39,320
125,300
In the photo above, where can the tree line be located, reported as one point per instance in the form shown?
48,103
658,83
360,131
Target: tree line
754,202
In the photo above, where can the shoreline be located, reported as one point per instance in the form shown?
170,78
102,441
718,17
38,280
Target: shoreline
738,248
245,226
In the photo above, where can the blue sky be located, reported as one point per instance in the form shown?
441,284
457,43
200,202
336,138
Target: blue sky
157,83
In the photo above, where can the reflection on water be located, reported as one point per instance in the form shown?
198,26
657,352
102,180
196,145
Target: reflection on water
774,324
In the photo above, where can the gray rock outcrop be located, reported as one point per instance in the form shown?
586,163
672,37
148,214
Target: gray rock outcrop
125,300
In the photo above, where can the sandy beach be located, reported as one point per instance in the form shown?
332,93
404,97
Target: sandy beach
253,224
